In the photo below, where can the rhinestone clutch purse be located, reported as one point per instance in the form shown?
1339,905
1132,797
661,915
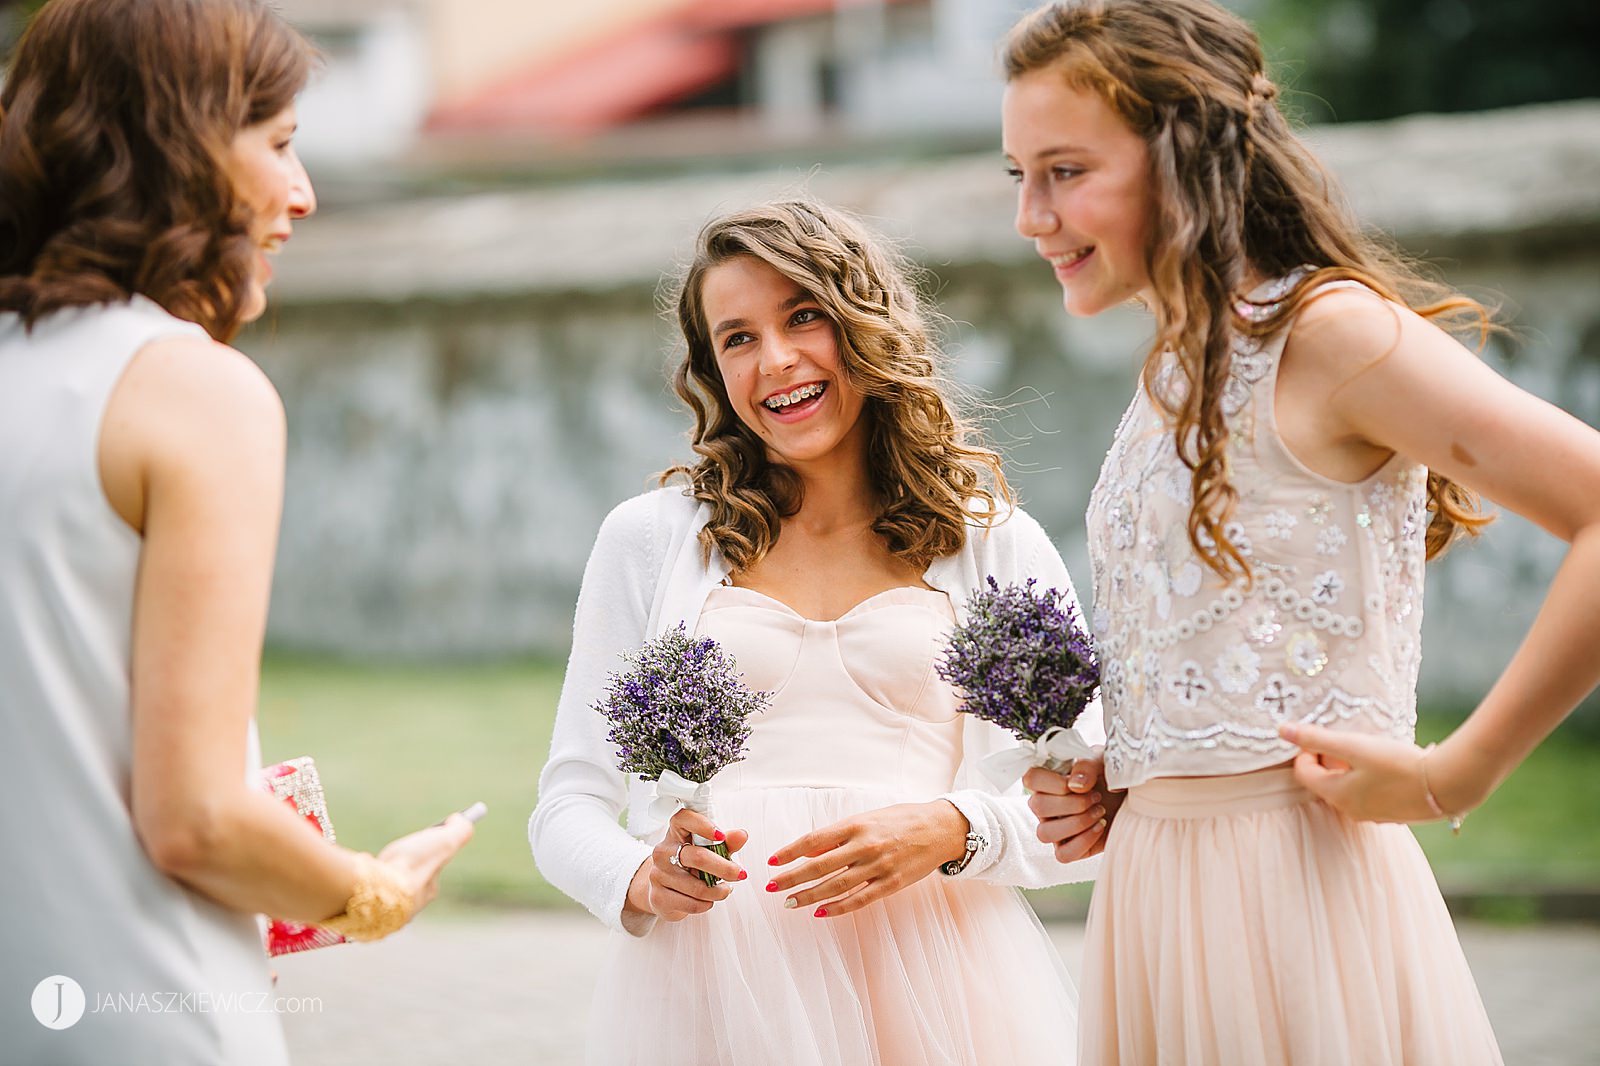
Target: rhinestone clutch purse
297,784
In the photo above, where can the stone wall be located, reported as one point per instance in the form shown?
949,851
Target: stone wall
472,383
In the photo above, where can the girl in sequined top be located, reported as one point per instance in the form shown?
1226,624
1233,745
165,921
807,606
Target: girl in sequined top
1306,434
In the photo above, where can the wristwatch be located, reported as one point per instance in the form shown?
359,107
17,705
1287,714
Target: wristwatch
975,842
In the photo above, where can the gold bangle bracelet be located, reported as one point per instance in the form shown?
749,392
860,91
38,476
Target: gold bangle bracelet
380,904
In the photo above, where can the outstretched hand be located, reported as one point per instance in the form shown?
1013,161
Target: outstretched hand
863,859
418,858
1376,779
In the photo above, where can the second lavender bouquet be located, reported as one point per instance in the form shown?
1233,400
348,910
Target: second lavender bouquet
679,715
1023,661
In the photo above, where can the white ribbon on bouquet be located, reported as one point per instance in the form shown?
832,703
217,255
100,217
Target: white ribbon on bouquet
674,792
1055,749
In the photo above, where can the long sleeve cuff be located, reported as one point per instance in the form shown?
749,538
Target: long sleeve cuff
973,805
1011,852
615,904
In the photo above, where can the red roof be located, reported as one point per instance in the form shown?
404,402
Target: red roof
620,78
601,86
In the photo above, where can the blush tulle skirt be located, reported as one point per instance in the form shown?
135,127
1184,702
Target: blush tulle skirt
946,972
1237,921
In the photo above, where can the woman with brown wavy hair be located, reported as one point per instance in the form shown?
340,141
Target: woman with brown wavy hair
1306,435
147,172
837,515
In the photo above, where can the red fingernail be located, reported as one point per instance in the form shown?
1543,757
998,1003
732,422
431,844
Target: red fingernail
742,875
773,861
719,836
772,886
822,912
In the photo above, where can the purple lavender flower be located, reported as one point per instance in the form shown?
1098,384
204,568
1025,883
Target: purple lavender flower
681,707
1021,659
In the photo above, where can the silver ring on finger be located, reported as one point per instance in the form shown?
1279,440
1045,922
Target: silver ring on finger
677,856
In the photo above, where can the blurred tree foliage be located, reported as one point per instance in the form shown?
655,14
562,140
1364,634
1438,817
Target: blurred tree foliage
14,15
1357,60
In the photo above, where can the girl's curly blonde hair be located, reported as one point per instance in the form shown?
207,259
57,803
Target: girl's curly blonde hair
932,475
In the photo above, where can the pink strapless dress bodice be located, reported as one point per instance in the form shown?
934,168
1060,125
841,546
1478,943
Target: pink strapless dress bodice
948,972
856,701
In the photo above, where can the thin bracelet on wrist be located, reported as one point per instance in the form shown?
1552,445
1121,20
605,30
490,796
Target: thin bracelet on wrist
975,843
1455,820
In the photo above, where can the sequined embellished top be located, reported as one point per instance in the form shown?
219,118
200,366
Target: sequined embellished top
1197,672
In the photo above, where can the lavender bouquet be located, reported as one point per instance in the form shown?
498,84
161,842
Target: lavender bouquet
1023,661
679,715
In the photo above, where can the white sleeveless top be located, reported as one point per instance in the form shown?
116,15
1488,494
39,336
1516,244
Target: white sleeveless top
1197,673
167,975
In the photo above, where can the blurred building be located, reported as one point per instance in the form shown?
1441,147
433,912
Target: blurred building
474,380
377,83
430,82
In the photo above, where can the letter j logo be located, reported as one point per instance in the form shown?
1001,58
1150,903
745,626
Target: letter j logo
58,1002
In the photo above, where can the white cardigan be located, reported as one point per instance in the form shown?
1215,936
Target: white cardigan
644,576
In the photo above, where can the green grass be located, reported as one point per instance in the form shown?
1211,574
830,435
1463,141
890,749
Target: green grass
399,747
1538,830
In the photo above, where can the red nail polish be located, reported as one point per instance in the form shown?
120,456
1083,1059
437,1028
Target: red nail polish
719,836
772,886
772,861
822,912
742,875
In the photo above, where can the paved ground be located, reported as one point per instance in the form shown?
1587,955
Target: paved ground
514,988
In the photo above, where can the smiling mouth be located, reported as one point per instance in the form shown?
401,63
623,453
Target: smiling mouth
1067,259
794,396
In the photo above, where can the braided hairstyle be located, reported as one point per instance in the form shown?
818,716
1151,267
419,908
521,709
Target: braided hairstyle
1237,193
